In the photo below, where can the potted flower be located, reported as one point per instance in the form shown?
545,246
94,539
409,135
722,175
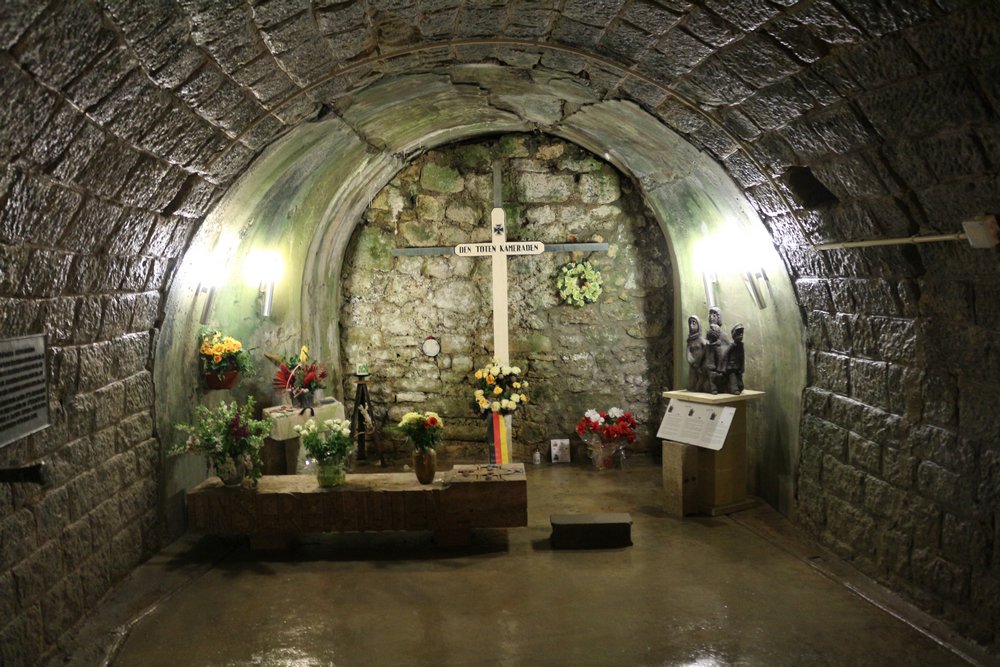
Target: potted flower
330,444
606,434
499,391
424,430
229,437
300,377
222,359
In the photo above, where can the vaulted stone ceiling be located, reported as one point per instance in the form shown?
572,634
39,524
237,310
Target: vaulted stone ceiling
185,94
125,121
157,105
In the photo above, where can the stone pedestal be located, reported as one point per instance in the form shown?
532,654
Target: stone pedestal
706,481
283,454
680,478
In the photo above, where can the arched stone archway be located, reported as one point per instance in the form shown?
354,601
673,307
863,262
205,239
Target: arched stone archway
304,196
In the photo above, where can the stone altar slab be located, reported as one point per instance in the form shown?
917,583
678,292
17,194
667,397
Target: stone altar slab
284,506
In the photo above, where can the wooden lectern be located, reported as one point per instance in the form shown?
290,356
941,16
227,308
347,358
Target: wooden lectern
706,481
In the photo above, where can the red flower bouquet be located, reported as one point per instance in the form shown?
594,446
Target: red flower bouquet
299,375
615,424
606,434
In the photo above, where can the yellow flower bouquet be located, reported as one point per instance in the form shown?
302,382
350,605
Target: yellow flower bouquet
222,357
499,388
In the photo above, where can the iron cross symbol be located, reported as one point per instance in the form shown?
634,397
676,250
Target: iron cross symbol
498,249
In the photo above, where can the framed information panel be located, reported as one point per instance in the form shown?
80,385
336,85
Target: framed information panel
24,389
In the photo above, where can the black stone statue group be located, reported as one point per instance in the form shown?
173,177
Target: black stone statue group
716,361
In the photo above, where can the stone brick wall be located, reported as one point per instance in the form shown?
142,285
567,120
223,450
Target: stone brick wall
612,353
899,465
99,195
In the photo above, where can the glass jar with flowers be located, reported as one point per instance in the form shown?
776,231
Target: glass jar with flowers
606,435
229,437
222,359
329,443
499,392
424,430
299,377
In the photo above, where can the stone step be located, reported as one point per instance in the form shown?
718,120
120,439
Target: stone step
591,531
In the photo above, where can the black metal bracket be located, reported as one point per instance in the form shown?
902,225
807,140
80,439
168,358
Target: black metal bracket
36,473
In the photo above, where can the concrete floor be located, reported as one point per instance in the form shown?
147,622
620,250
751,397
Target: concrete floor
701,591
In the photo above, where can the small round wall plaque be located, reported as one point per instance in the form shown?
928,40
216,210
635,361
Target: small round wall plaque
431,347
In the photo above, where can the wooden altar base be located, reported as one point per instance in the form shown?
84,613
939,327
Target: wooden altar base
283,507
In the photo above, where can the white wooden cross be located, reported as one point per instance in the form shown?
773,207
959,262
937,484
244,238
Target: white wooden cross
498,249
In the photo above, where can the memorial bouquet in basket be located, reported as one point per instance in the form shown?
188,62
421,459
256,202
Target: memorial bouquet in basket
606,434
330,444
299,377
229,437
222,359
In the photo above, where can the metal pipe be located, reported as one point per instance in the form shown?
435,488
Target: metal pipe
497,186
933,238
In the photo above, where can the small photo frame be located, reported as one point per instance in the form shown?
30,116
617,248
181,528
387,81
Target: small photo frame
560,450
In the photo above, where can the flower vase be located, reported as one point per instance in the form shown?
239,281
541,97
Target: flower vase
602,452
227,380
231,472
306,401
425,465
330,473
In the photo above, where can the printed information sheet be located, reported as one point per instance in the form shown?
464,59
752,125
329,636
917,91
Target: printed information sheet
696,424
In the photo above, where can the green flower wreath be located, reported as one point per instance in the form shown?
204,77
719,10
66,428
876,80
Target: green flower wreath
579,283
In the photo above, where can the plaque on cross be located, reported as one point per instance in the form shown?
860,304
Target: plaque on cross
498,249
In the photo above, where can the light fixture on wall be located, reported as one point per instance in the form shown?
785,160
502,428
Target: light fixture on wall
267,298
981,232
731,256
206,310
206,272
750,280
708,280
263,268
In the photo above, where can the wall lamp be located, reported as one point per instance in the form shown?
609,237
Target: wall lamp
708,280
720,255
263,268
206,310
750,280
204,267
266,295
981,232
